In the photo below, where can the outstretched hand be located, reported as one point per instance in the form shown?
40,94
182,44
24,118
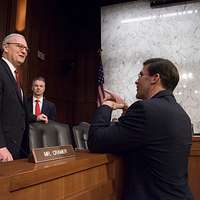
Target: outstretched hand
109,95
113,104
114,101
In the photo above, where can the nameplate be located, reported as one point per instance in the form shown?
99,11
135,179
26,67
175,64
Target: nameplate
51,153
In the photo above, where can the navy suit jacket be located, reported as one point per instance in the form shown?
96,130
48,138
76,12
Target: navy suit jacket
48,108
13,114
154,137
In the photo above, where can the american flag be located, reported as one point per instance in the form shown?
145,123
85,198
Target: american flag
100,83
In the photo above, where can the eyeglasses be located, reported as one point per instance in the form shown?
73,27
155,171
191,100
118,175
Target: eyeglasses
141,74
20,46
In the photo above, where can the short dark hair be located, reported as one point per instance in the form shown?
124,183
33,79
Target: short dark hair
166,69
39,78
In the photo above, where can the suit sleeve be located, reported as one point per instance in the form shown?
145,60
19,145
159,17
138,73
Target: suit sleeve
32,118
52,115
122,136
2,139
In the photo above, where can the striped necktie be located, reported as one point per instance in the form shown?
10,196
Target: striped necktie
18,82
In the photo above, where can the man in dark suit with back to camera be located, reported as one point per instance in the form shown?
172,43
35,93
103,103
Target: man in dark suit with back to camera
154,136
13,115
39,108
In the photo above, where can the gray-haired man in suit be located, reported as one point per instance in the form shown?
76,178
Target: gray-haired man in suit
13,115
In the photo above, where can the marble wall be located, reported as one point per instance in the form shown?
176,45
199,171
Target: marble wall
133,32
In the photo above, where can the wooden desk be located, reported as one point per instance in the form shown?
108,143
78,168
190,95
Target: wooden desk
194,168
84,177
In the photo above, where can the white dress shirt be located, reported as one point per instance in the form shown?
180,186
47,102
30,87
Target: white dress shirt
40,103
11,66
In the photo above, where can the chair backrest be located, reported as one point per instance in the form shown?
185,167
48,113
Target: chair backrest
80,133
51,134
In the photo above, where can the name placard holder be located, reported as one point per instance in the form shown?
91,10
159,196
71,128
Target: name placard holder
51,153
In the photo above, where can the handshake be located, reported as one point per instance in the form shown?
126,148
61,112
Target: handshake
114,101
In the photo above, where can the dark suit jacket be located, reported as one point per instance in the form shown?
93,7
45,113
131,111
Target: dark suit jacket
13,115
48,108
154,136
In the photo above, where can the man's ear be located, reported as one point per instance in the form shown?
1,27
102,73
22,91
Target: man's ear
155,78
5,48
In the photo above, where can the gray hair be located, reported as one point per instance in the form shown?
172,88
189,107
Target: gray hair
8,37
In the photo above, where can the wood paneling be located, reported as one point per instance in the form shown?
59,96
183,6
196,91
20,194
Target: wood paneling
69,36
7,17
87,176
194,168
4,189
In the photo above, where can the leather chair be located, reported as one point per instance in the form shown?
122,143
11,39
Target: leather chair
80,133
51,134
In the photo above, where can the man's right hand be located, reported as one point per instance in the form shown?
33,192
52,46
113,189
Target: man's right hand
42,117
5,155
114,105
115,101
109,95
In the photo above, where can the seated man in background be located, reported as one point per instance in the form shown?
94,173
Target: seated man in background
39,108
154,136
